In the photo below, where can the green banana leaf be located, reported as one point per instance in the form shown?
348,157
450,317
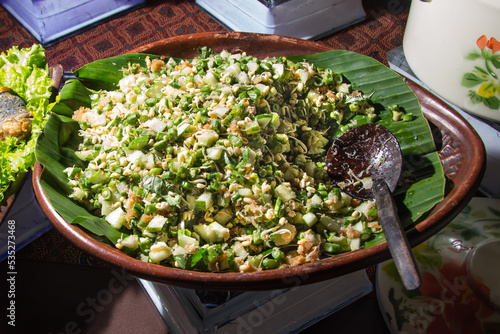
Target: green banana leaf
55,148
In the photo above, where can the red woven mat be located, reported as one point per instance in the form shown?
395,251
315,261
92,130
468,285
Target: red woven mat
381,31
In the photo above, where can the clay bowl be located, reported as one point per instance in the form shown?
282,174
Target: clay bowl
461,150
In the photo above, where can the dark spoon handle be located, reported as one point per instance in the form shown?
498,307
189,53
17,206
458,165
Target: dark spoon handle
396,238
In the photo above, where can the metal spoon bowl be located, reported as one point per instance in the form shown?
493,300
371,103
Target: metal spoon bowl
366,162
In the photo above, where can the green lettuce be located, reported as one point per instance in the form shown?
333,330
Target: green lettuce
25,72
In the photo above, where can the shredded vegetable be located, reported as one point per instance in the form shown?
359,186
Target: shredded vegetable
218,163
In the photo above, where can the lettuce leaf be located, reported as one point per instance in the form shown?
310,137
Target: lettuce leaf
25,72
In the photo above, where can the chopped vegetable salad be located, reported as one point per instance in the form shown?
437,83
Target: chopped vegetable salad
218,163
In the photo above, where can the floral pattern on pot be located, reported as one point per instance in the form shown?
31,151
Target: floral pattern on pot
445,302
484,79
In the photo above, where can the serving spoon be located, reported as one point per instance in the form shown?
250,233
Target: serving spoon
366,162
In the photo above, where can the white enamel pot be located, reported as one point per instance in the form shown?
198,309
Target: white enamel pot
453,47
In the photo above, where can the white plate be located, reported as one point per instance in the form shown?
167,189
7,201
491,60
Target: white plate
448,300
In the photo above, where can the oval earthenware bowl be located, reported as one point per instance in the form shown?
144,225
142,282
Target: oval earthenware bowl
461,151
